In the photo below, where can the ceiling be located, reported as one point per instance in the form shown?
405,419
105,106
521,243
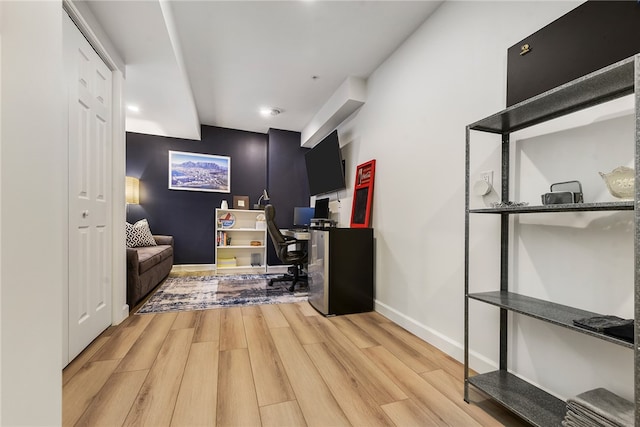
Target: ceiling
218,62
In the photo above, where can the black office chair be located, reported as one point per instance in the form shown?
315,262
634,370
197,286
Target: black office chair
282,243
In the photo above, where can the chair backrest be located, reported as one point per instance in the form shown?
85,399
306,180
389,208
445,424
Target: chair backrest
280,243
274,232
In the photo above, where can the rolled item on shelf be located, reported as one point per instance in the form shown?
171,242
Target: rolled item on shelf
599,407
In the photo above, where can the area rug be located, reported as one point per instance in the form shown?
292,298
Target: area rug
190,293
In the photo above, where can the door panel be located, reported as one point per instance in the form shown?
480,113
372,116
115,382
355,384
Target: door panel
89,89
82,272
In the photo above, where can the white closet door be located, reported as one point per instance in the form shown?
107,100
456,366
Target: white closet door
89,84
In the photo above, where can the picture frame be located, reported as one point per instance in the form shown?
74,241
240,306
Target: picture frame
363,195
241,202
199,172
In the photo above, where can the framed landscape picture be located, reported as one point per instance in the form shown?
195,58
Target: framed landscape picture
199,172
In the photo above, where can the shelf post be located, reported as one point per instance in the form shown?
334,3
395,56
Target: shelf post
466,266
636,252
504,250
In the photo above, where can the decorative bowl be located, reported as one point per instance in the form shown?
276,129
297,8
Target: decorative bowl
227,220
620,182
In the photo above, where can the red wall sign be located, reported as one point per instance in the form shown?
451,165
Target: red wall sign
363,195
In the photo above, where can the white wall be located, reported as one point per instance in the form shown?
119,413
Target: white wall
32,221
450,73
1,32
33,197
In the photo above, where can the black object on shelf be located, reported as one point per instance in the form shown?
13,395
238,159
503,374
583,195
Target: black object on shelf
609,325
624,332
563,192
600,323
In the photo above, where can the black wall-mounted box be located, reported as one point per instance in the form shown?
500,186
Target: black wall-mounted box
590,37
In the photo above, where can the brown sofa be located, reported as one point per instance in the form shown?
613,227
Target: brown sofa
147,266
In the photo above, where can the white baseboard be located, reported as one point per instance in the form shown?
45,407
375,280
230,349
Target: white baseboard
187,268
182,268
453,348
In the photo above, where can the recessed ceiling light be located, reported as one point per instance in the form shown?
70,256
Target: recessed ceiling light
133,108
270,111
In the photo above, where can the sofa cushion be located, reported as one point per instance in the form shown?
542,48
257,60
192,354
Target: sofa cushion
150,256
139,234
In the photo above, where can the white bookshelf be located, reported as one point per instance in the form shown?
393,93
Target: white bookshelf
234,251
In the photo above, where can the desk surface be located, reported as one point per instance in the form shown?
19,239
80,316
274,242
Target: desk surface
299,235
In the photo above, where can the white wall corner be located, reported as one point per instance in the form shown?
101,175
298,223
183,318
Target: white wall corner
89,26
350,96
1,21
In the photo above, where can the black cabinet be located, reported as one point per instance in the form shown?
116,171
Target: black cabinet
592,36
341,270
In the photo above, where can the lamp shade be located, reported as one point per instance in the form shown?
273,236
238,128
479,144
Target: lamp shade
132,190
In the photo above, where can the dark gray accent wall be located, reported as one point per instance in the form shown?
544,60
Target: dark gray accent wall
189,215
287,174
273,161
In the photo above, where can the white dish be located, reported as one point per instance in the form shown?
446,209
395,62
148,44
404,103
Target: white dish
620,182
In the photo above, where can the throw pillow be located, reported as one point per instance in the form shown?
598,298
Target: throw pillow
139,234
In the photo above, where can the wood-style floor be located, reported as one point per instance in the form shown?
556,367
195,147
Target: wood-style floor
270,365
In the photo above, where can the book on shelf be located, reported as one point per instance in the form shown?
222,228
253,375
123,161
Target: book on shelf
222,239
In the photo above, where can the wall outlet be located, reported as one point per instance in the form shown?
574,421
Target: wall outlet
487,176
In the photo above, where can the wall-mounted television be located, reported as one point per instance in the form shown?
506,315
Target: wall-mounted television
325,171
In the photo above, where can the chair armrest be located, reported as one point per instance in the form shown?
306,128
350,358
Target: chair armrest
163,240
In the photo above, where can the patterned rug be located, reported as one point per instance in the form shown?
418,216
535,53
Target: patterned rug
189,293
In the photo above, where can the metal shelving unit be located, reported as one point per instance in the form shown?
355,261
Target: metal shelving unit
534,405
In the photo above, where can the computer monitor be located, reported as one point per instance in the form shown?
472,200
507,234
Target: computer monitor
322,209
302,216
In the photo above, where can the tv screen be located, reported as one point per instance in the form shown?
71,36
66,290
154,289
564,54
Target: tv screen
324,166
